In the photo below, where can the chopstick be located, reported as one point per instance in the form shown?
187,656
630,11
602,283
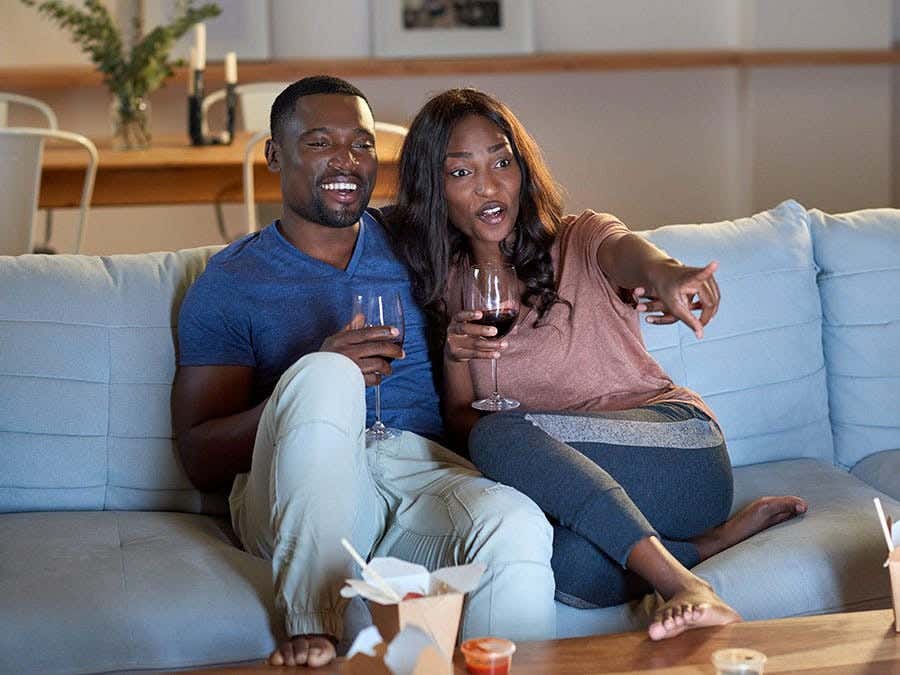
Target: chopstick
884,527
379,581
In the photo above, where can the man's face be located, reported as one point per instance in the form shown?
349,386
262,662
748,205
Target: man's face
326,157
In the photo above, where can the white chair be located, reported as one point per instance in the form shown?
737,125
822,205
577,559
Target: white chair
7,98
21,152
45,110
254,104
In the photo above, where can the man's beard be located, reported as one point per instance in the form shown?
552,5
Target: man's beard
344,216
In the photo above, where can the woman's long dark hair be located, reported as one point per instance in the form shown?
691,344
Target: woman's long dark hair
430,244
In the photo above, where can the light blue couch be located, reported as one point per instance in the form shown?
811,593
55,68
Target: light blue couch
110,560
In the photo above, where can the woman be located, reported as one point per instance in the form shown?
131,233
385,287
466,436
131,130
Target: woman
631,469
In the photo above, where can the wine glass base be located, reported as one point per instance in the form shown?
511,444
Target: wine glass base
374,435
495,404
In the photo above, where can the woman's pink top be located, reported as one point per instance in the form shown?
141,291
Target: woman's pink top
594,362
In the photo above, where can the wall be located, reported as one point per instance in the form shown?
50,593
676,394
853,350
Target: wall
654,147
21,30
816,24
895,116
313,29
614,25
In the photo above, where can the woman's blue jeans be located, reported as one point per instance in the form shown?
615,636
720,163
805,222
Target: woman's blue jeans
606,481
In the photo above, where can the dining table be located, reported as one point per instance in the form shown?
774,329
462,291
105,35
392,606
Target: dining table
172,171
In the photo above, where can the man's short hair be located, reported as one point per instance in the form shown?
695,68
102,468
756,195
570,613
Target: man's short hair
286,102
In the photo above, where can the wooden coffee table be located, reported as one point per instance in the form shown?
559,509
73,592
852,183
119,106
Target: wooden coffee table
858,642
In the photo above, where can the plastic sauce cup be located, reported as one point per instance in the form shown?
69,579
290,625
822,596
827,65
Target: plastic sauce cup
739,662
488,655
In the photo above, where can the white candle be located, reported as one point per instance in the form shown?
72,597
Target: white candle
191,70
200,43
231,68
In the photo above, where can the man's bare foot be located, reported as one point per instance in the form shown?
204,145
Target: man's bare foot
758,515
694,607
304,650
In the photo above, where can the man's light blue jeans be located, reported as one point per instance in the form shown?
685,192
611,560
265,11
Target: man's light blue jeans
313,481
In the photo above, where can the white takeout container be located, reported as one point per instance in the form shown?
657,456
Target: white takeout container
893,563
411,652
437,613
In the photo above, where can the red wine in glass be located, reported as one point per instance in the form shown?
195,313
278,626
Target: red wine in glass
501,319
493,290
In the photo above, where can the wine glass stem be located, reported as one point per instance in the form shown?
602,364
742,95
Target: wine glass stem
377,405
496,394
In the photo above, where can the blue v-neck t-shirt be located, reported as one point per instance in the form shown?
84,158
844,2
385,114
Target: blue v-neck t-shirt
263,303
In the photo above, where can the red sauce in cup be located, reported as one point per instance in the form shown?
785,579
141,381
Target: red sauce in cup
501,668
488,655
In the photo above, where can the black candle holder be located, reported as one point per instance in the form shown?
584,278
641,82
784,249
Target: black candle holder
230,106
195,108
196,121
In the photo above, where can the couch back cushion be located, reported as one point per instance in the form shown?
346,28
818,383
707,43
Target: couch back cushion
86,368
88,357
859,258
760,365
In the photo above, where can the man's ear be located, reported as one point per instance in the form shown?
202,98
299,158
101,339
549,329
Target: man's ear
273,155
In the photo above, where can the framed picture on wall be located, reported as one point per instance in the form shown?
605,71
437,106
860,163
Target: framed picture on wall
426,28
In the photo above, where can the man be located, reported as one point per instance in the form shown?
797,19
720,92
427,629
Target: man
270,396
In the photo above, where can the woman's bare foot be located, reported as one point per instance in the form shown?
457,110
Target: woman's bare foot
304,650
757,516
695,606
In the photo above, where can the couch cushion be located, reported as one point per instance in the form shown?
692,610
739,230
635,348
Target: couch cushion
760,365
859,257
829,560
574,622
86,373
882,472
89,592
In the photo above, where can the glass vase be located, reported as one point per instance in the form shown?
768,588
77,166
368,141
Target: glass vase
130,121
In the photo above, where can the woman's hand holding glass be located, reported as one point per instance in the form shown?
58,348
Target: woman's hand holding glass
467,340
491,296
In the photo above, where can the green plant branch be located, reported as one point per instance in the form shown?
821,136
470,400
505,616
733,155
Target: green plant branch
147,66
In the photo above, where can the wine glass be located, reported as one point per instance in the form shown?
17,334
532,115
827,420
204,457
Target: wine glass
380,309
493,290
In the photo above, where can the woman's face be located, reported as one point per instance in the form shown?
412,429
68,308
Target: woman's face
481,182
